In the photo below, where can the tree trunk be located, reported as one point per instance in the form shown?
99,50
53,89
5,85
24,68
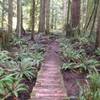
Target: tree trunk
33,18
42,16
75,13
19,18
64,11
68,11
10,16
22,28
3,11
94,17
98,32
47,11
67,25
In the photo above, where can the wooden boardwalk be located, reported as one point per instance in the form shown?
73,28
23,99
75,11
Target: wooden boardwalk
49,85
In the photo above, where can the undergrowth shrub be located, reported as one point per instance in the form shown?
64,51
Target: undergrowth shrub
91,91
38,47
14,70
97,52
86,65
9,85
77,59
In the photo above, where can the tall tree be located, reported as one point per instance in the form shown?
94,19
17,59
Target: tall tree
52,15
33,18
75,13
3,13
42,16
19,17
98,34
98,29
64,10
68,11
22,28
10,15
47,13
95,14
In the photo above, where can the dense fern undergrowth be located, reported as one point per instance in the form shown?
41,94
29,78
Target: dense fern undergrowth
20,63
78,55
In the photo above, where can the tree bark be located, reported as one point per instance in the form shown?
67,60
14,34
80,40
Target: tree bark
42,16
33,18
19,18
94,17
47,11
97,45
64,11
98,34
10,16
22,28
3,13
75,13
68,12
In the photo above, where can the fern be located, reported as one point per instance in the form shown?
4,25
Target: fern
97,52
37,58
38,47
92,91
15,40
10,86
25,69
86,65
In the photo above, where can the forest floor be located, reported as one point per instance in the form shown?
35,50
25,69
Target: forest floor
53,82
49,84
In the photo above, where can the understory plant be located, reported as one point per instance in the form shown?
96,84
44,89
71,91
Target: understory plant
35,57
25,69
14,70
10,86
38,47
78,60
86,65
91,91
97,52
17,41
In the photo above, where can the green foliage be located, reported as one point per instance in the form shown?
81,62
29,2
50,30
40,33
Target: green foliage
97,52
17,87
24,54
4,56
25,69
27,64
83,40
6,61
38,47
15,40
68,66
94,81
5,82
72,54
14,70
92,91
77,59
64,43
9,86
86,65
37,58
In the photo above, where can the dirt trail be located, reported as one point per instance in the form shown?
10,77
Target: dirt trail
49,85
